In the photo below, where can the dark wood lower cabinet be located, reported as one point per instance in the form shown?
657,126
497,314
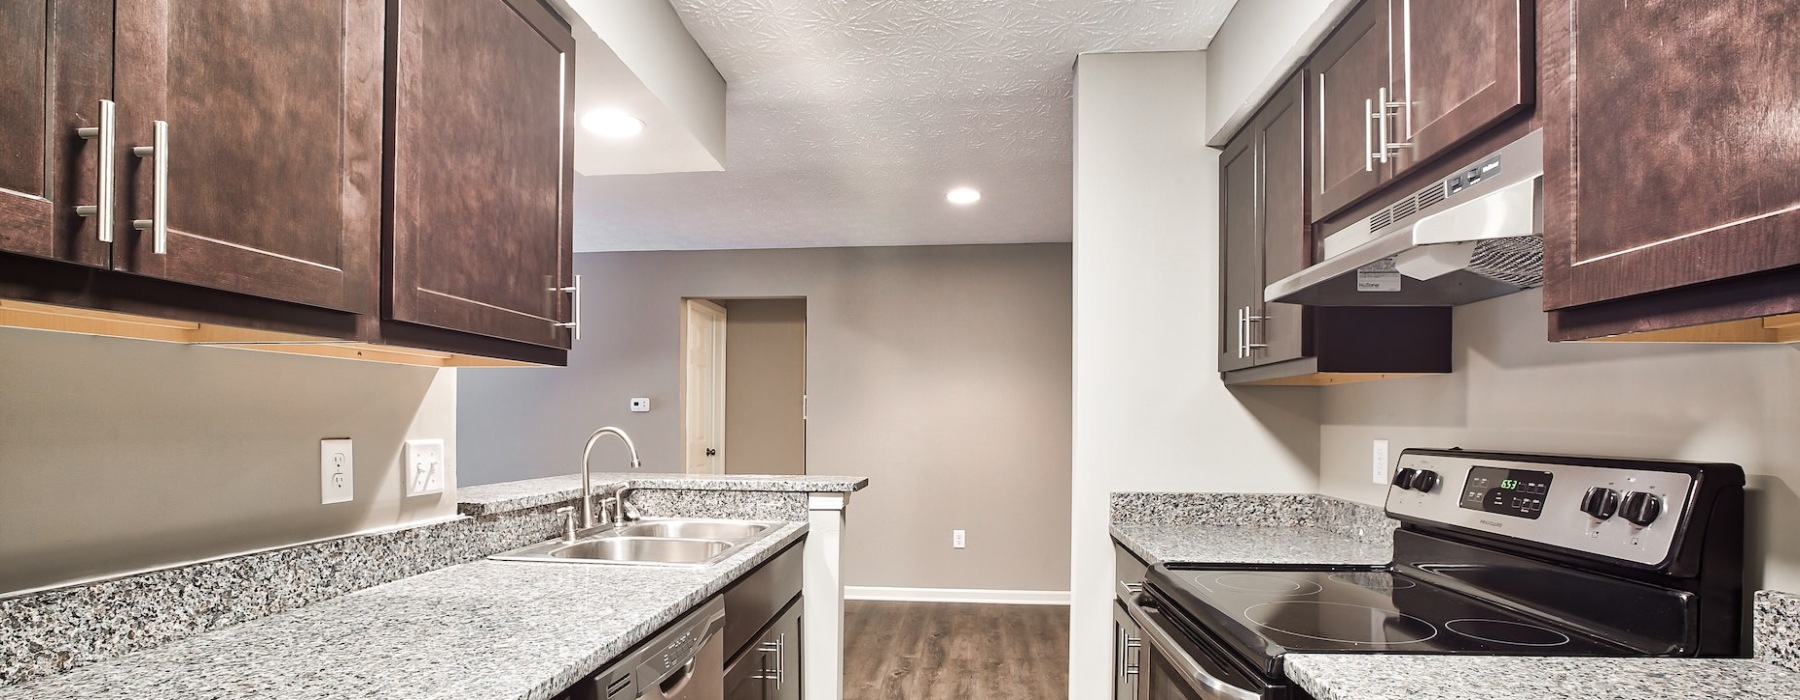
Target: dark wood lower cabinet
769,669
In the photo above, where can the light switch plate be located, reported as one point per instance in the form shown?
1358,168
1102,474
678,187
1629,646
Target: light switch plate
424,466
640,405
1379,457
337,471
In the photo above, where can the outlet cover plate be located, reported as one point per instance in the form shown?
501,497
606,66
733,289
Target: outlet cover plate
424,466
1378,455
958,539
337,471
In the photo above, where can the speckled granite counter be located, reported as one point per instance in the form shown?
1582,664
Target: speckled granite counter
501,630
1421,677
1251,529
518,495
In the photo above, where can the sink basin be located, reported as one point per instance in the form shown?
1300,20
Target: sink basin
643,549
696,529
657,542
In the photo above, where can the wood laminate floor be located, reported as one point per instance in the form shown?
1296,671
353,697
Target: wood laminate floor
955,651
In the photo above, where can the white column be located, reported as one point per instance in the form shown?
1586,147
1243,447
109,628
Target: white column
824,601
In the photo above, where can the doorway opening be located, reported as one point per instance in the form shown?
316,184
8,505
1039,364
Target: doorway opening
743,377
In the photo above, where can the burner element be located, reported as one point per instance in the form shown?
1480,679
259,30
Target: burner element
1374,580
1267,583
1510,633
1341,623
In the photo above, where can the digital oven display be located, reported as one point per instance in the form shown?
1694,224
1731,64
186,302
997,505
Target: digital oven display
1516,492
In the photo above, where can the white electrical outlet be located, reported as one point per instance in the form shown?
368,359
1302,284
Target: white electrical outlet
337,473
1379,459
640,405
956,539
424,462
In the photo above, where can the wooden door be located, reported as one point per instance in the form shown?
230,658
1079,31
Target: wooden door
57,59
273,158
1286,249
703,387
1240,253
480,164
1459,67
1670,148
1349,74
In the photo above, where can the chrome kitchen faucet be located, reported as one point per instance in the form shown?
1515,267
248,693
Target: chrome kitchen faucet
587,479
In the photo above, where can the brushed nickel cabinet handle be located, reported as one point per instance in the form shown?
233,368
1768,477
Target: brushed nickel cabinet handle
102,208
1369,136
158,223
574,323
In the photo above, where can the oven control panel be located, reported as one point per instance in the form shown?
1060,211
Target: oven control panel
1627,514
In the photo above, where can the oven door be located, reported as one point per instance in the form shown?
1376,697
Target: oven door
1172,666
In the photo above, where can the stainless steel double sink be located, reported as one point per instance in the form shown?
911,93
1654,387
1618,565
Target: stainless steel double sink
650,542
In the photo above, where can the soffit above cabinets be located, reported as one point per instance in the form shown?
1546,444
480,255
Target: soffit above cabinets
848,121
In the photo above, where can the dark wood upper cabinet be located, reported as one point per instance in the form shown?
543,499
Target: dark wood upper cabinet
1264,236
1458,68
478,106
273,146
1670,163
57,63
1402,82
1240,248
1350,71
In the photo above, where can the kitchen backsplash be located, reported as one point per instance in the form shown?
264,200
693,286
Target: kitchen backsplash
1778,629
1362,522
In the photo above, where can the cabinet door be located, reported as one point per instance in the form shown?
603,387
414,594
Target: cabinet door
480,164
1459,66
1285,247
1670,149
1349,72
56,57
273,149
790,654
1239,249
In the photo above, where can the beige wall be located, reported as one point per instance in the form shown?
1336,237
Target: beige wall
1150,411
117,455
1513,390
765,385
942,373
1258,47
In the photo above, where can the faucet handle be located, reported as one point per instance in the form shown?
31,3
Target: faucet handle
609,510
568,513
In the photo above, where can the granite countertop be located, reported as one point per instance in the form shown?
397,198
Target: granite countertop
1426,677
518,495
486,629
1247,544
1251,528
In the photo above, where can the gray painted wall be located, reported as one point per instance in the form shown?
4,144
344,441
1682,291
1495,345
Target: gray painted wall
940,372
118,455
1513,390
765,386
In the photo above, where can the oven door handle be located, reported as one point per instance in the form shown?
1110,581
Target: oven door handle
1191,671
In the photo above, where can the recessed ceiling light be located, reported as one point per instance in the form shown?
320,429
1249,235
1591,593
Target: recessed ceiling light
612,123
963,195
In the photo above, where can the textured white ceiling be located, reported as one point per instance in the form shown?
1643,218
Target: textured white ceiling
847,120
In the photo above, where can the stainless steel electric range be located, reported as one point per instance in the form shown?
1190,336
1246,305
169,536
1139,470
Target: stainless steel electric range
1497,553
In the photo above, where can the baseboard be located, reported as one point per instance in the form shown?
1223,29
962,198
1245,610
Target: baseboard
956,595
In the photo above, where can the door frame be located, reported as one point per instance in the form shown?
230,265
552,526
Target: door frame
691,413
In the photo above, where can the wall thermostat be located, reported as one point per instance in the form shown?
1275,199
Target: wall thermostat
640,405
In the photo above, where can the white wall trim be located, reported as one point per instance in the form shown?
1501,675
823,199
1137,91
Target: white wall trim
956,595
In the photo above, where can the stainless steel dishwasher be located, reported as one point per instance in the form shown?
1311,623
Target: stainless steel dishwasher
684,662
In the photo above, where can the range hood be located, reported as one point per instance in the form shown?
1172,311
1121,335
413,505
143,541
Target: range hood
1474,235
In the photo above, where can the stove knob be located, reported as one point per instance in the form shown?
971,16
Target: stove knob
1600,502
1426,480
1404,477
1641,508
